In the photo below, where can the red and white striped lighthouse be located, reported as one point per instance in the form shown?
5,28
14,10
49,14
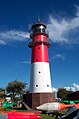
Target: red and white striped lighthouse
40,79
40,72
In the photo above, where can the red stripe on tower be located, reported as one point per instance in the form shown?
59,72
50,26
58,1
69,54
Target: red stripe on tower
40,50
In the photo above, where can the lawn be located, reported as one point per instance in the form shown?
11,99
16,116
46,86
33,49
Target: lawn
44,116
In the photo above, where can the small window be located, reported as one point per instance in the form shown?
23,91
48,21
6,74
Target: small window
47,85
36,85
36,59
38,47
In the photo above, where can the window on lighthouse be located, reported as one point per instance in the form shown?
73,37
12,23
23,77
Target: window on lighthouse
36,85
47,85
39,72
36,59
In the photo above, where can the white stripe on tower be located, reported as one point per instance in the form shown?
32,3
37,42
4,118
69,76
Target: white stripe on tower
40,78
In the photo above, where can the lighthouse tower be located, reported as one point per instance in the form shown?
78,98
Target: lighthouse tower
40,79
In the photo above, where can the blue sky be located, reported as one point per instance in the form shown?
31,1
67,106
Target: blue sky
62,20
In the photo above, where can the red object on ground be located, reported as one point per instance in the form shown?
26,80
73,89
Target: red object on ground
22,115
77,105
63,106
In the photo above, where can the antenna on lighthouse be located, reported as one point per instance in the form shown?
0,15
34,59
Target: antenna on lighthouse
38,19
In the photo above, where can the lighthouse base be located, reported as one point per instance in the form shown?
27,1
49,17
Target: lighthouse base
35,99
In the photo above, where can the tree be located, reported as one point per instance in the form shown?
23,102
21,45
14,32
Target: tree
16,88
2,93
62,93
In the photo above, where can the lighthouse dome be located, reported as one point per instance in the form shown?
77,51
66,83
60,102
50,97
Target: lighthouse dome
37,28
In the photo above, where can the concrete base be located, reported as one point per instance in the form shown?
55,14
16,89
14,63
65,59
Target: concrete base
35,99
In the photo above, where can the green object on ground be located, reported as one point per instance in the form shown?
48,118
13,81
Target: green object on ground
69,101
7,105
4,104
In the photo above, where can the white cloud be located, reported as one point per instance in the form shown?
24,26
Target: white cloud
13,35
25,62
58,56
2,42
74,87
55,90
64,30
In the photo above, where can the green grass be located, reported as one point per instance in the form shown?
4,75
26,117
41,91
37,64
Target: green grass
44,116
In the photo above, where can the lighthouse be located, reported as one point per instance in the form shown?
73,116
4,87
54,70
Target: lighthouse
40,78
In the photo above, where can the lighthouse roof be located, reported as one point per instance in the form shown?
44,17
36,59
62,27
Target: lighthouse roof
38,24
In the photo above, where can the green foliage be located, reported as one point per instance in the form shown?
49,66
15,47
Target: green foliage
44,116
15,88
2,90
17,99
2,93
62,93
